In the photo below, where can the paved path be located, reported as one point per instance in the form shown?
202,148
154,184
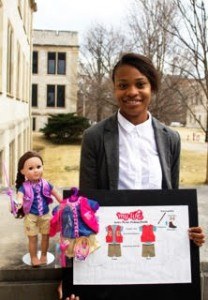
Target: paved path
194,146
202,191
202,196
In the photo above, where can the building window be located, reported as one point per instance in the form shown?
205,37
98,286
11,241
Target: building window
1,43
18,72
33,124
51,96
61,63
55,96
35,62
9,59
51,63
60,95
1,167
19,5
56,63
34,95
12,171
23,77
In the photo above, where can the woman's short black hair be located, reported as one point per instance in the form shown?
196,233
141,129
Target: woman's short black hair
143,64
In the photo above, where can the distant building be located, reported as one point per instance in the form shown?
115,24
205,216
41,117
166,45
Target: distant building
54,74
197,106
186,101
193,98
15,83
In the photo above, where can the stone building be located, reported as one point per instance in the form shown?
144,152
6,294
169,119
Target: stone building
54,74
192,95
15,83
186,101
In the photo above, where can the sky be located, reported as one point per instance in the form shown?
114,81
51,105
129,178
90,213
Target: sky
78,15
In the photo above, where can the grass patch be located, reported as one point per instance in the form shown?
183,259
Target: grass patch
193,168
71,168
61,162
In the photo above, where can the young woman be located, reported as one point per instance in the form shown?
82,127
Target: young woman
131,149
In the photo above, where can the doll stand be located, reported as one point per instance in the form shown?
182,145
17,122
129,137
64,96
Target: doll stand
26,258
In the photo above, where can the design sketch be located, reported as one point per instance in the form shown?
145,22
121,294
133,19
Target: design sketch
114,239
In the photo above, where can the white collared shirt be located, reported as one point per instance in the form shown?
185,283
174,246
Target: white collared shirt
139,164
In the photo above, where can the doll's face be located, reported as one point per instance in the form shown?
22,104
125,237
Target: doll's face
33,169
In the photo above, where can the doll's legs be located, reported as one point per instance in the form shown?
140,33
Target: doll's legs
44,226
32,233
44,248
33,242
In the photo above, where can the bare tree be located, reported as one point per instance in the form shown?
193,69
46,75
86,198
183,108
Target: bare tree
191,36
148,36
150,23
99,52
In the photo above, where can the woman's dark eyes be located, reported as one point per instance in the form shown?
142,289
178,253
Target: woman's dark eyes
139,85
121,85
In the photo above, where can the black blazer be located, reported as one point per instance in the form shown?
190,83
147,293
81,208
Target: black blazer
100,155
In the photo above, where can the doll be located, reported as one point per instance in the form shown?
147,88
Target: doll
33,199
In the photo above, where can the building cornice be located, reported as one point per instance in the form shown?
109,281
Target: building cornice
55,46
12,124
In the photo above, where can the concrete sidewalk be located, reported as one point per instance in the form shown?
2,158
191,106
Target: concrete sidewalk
202,197
14,242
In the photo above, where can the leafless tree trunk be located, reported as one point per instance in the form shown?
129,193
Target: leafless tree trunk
191,33
99,52
149,23
149,37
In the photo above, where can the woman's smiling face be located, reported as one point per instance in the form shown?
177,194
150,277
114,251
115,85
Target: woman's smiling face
133,92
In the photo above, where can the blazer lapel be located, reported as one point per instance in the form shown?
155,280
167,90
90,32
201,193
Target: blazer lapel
111,144
162,142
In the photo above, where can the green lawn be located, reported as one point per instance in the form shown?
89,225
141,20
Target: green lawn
61,162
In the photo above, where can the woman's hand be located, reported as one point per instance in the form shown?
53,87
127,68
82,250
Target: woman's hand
73,297
197,236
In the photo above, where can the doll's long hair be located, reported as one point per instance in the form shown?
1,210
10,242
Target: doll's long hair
20,178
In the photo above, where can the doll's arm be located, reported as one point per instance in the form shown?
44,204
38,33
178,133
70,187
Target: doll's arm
19,199
56,195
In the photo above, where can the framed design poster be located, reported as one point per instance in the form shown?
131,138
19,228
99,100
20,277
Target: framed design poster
144,247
